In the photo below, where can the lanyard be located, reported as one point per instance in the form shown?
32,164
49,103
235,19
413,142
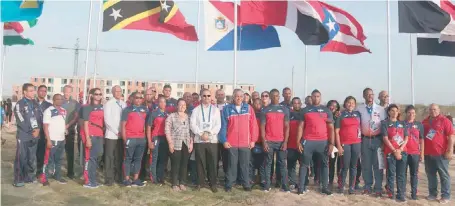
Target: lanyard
395,125
369,109
138,112
118,103
60,112
210,112
30,105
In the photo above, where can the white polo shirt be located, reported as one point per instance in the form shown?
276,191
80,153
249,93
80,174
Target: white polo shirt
55,118
371,119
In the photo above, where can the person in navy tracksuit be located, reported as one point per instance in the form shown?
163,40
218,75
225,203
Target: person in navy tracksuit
156,136
26,113
414,147
275,134
257,152
133,134
395,138
293,152
238,135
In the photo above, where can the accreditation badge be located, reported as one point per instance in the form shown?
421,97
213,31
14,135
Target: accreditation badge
398,139
431,134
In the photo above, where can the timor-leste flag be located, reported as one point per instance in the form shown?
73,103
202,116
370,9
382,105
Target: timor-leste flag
153,15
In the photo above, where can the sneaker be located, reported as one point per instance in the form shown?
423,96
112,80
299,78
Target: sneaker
301,192
70,177
46,183
292,187
444,201
378,194
62,181
326,191
366,192
351,191
182,187
357,187
401,200
413,196
266,189
19,184
285,189
341,190
247,189
214,189
91,186
127,183
431,198
138,183
277,185
109,184
175,189
228,189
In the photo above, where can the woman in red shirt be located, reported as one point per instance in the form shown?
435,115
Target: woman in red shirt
395,137
414,147
93,116
348,140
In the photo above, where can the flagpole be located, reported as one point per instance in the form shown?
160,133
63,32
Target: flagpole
412,70
87,48
196,73
389,62
97,42
305,73
235,43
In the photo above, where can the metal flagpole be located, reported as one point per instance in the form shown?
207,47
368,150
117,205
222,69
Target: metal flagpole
412,70
196,73
235,43
97,42
389,61
305,73
87,48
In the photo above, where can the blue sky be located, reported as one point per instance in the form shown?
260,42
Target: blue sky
335,75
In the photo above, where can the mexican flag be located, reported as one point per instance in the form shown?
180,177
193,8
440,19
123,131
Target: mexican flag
12,34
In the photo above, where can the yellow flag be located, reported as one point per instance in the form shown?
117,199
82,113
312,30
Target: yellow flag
29,4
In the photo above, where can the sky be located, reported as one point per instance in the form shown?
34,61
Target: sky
335,75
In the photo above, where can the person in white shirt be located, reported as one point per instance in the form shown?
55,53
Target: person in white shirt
372,115
113,151
54,129
206,124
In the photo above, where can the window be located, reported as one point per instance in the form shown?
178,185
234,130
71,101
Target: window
160,85
102,83
249,88
129,83
179,94
194,85
241,87
221,86
143,84
61,89
108,91
187,86
202,86
43,80
36,80
180,86
48,97
50,80
88,82
71,81
208,86
123,91
129,91
36,88
137,84
122,83
109,83
64,81
50,89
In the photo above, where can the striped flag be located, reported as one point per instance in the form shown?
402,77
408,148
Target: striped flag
12,34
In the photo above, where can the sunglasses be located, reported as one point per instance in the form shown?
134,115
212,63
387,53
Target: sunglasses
206,95
98,94
139,97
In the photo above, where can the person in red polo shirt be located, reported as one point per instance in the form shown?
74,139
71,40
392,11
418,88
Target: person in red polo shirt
133,134
318,139
395,137
414,147
293,153
348,140
93,116
439,139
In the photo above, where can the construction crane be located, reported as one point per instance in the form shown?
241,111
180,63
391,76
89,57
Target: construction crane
77,48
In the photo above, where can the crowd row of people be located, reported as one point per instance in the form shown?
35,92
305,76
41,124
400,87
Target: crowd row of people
253,136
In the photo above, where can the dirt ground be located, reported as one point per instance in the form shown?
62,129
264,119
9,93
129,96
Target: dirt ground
74,194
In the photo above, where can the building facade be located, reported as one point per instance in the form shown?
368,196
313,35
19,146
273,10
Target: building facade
55,85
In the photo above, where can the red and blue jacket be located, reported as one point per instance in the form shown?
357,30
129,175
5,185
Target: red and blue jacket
415,132
135,121
294,121
94,114
349,125
316,119
393,130
274,118
157,121
239,128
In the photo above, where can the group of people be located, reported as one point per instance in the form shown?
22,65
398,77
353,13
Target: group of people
256,137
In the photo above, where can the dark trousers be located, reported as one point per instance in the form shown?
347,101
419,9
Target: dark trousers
257,163
370,163
179,162
145,166
413,165
223,156
332,169
91,159
396,171
52,161
275,147
238,157
438,165
113,154
206,160
153,163
293,157
192,166
25,161
40,150
69,150
163,158
359,170
316,168
320,149
349,164
134,150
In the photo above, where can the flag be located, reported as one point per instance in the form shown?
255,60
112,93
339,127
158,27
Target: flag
20,10
160,16
435,16
219,31
12,34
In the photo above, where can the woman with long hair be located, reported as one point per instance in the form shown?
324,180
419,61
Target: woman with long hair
348,141
178,136
334,107
246,99
414,147
395,138
93,116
